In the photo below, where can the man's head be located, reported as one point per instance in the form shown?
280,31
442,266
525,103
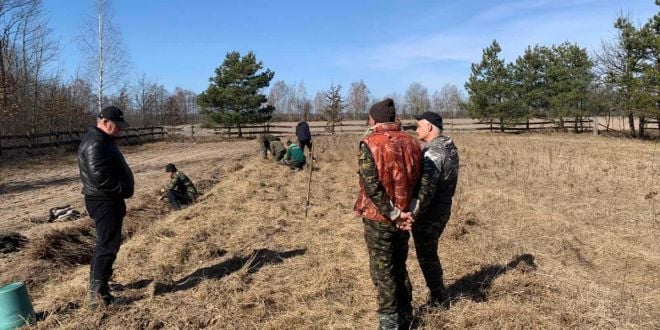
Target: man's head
382,112
170,169
429,126
288,143
111,121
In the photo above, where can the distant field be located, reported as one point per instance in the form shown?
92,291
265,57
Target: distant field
547,231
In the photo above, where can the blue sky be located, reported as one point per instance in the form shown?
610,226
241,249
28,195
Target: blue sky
388,44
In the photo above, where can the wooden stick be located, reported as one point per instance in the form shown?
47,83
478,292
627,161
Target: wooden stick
309,183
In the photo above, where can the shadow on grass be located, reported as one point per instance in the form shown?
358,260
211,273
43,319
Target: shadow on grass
253,262
475,286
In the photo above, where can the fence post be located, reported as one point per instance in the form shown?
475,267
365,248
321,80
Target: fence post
29,141
57,140
152,133
594,124
0,146
192,132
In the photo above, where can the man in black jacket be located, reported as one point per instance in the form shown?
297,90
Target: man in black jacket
107,181
304,136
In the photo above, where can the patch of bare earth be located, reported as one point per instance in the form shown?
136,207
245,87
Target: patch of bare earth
547,231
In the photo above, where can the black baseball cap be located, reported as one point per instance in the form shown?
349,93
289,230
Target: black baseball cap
432,117
115,115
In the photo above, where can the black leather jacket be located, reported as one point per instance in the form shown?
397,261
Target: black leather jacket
103,170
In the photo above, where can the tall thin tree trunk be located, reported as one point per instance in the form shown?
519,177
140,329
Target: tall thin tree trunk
631,123
101,68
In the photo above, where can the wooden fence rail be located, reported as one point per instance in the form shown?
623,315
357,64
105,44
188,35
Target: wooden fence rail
67,139
317,129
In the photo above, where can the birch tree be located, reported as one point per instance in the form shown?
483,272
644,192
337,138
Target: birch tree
103,50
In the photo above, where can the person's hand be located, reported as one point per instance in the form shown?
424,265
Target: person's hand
405,221
162,190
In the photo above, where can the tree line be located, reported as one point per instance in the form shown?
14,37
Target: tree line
292,102
34,95
560,81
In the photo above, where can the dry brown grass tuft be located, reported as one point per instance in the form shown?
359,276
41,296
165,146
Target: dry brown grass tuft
68,246
547,231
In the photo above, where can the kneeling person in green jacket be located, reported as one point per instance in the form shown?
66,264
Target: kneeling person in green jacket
180,190
295,157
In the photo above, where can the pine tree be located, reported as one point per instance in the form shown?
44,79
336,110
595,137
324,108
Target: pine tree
530,81
491,89
234,95
569,78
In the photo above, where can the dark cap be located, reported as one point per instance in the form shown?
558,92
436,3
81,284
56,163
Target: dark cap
115,115
432,117
170,168
383,111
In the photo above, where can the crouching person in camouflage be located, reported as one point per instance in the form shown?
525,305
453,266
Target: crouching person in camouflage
264,141
389,168
278,150
431,206
180,190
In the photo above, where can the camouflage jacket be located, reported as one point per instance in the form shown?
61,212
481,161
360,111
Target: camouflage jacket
439,176
277,147
180,183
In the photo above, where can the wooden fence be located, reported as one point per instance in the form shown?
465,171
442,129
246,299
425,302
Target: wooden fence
357,127
31,142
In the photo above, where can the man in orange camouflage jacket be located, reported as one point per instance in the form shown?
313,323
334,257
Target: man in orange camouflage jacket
390,163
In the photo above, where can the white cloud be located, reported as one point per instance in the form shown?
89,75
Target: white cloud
542,23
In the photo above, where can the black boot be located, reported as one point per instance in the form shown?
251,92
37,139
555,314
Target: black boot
99,292
439,299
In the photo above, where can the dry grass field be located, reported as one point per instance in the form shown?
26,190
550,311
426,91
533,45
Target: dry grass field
547,231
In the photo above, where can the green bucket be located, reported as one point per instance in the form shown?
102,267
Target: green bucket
15,306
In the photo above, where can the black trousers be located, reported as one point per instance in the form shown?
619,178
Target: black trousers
305,143
426,233
108,217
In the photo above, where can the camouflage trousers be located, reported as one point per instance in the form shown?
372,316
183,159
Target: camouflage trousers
388,251
279,156
426,234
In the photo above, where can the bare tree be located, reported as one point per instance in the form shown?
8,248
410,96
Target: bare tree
102,44
319,102
300,104
447,101
279,96
417,98
358,99
144,100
